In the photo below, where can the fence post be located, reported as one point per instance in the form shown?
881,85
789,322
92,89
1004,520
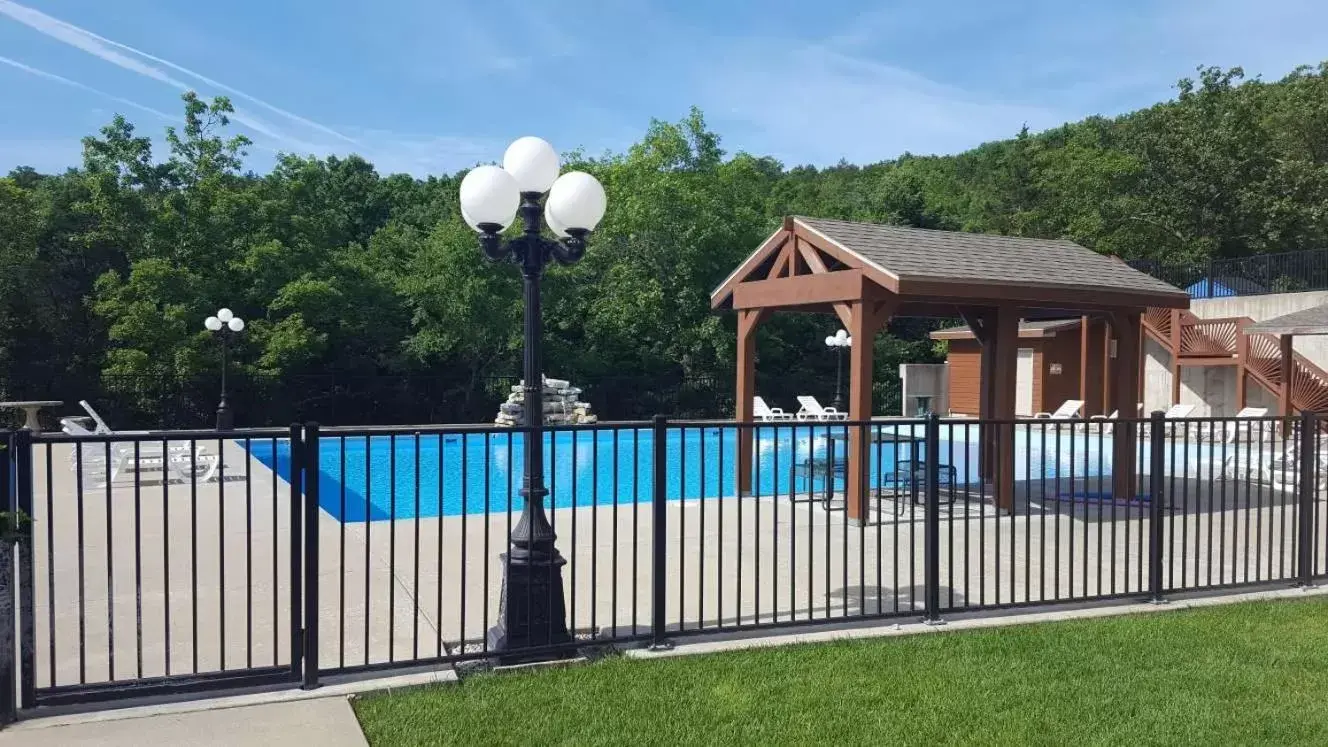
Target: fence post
658,551
1157,456
8,649
1308,457
296,550
21,465
311,528
932,524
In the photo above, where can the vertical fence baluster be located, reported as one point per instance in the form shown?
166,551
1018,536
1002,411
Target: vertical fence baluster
311,467
932,517
1156,477
9,694
1308,456
415,577
296,580
21,469
659,543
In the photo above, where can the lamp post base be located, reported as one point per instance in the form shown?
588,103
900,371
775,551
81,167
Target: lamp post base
531,611
225,419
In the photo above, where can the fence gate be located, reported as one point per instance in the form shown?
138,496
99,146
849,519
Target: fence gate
157,563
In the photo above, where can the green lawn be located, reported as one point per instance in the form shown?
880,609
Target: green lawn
1244,674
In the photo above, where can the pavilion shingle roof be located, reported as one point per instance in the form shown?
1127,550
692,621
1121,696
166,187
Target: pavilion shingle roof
1312,321
1027,328
925,254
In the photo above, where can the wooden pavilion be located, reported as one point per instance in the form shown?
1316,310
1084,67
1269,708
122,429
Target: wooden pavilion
867,273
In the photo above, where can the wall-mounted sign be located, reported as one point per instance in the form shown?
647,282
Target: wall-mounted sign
1055,369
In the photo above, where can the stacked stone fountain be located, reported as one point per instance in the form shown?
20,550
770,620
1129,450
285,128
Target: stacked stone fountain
562,405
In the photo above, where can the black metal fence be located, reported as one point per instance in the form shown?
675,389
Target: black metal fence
1244,276
176,560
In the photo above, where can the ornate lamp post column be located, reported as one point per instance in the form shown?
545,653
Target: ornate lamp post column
224,324
532,610
839,342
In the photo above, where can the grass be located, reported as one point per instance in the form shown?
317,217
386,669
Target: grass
1253,673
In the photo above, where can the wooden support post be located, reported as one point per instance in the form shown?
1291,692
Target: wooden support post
866,321
1242,359
745,389
1004,382
1126,397
1288,365
1175,356
982,324
1108,327
1089,407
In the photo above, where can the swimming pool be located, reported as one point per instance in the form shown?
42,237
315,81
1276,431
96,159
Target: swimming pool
406,475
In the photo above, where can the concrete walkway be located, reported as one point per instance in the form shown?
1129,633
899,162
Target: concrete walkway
326,722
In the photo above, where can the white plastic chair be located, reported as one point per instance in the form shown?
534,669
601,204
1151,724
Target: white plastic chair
812,410
1067,411
767,413
1174,412
1243,424
177,460
1108,422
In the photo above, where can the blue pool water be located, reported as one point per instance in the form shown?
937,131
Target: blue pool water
406,476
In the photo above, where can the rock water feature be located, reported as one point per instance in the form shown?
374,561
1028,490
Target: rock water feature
562,405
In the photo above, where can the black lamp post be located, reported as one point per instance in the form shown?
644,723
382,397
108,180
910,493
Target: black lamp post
839,342
224,324
532,609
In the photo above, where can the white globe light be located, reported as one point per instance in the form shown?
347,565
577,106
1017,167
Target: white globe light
577,200
848,341
236,324
225,315
466,217
842,335
558,229
212,323
533,163
489,195
830,341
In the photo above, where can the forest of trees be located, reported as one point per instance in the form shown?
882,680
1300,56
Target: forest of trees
367,300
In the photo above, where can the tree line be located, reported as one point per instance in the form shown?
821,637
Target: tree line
367,300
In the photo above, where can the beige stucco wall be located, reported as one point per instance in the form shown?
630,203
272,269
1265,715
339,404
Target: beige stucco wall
1260,308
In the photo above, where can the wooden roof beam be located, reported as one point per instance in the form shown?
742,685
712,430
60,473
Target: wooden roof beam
803,290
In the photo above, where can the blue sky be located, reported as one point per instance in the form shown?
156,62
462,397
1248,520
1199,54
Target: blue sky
430,86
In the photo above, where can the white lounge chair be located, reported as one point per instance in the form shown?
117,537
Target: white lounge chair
1108,422
1242,427
1172,413
1278,467
766,413
1067,411
810,409
103,461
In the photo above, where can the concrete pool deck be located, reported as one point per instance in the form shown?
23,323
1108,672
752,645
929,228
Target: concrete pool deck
804,560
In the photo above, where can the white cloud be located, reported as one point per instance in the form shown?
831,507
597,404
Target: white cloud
809,103
82,86
423,155
113,52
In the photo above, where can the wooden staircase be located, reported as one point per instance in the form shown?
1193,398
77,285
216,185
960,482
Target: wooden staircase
1193,341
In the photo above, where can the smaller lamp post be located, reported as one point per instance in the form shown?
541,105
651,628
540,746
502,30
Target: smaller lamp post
225,323
839,342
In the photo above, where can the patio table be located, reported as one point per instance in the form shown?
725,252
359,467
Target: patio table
30,410
878,436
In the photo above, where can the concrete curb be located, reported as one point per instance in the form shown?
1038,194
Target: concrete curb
335,689
719,642
967,621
